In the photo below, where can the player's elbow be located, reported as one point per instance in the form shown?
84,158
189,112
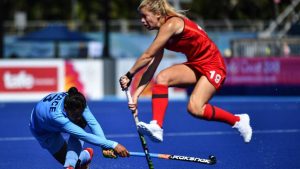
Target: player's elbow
147,57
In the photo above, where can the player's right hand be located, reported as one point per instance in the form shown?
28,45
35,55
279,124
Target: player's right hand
121,151
125,80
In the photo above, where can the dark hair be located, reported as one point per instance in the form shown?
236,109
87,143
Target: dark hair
74,101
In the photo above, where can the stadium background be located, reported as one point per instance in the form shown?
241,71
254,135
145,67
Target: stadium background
48,46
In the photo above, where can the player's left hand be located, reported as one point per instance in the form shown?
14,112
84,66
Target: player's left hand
109,153
133,106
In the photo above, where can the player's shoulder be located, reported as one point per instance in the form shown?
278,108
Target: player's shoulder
59,117
175,20
174,24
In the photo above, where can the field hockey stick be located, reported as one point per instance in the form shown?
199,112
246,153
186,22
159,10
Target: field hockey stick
142,138
210,160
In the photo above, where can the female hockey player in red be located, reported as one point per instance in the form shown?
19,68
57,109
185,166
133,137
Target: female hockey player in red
205,69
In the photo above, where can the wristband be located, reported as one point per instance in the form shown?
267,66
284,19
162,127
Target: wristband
129,75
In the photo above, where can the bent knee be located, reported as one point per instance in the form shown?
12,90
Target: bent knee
195,110
162,78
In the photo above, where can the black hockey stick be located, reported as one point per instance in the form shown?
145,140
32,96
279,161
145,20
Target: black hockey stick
142,138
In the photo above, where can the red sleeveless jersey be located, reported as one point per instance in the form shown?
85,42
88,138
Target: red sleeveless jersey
201,52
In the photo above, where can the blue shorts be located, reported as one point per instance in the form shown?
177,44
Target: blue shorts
53,142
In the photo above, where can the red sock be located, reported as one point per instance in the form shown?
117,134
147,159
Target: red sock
217,114
159,103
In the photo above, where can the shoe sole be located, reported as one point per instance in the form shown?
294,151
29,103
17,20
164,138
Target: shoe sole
143,130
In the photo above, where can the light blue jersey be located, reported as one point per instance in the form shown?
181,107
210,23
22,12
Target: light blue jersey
48,120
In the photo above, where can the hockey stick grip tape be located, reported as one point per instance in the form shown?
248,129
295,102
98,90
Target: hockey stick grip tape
129,98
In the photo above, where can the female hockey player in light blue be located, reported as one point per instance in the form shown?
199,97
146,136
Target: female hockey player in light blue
67,112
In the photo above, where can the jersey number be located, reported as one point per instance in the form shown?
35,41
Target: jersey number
216,77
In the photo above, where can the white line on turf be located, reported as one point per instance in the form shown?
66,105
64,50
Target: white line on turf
177,134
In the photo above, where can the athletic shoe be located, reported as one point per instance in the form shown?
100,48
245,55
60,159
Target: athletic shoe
87,164
152,130
243,126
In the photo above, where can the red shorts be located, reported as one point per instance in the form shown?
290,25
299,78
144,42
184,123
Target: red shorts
215,73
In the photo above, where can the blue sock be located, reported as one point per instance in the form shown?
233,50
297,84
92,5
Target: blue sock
74,147
71,159
84,157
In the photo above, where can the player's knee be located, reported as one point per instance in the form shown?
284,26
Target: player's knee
162,78
194,108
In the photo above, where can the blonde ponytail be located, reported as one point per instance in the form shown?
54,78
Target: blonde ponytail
162,7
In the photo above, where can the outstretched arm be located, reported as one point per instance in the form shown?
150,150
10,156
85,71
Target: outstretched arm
166,31
156,48
93,123
81,134
97,137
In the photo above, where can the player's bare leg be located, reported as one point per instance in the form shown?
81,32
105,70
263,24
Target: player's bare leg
182,75
198,107
177,75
